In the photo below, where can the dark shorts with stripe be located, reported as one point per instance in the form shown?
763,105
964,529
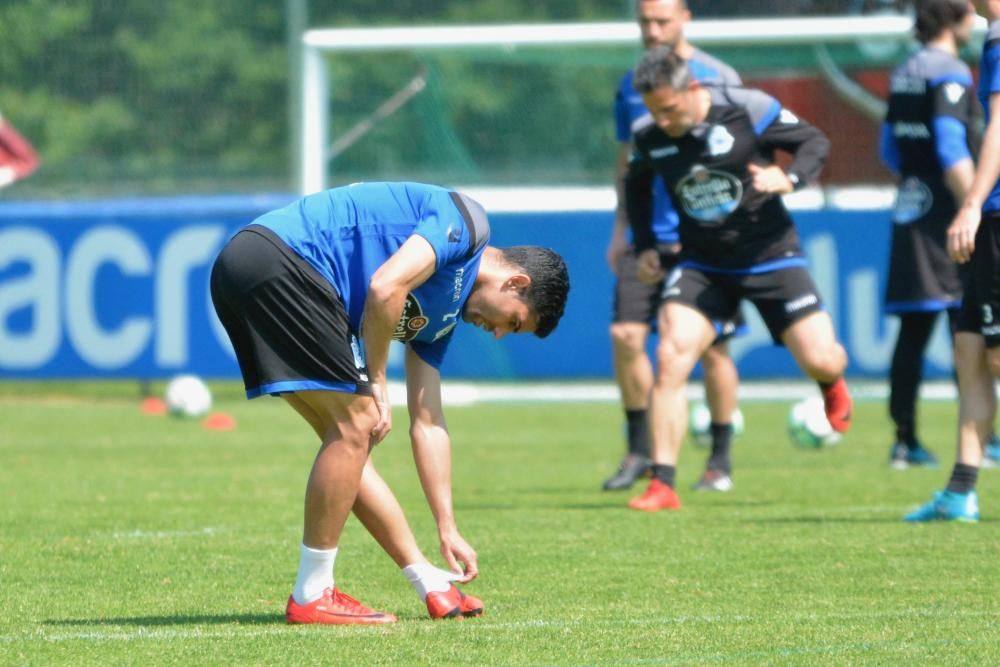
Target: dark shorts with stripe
288,326
981,305
782,296
635,301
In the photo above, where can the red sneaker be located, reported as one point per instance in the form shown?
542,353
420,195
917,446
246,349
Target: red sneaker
658,496
452,603
334,608
837,402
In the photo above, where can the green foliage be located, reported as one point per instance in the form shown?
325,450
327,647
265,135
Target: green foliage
131,539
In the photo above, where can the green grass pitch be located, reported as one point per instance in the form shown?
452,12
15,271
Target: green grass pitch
130,539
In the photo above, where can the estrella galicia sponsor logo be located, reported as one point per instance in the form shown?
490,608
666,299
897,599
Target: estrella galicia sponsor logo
801,302
411,322
913,200
709,196
719,140
907,85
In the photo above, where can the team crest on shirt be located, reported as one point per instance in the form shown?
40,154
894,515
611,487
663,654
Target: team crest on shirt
411,322
709,196
953,92
913,200
719,141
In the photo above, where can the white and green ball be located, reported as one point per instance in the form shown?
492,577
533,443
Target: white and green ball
700,424
808,426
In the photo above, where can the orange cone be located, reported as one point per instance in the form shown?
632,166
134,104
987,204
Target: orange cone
219,421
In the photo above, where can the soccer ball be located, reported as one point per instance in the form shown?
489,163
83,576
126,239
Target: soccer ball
188,396
700,424
808,426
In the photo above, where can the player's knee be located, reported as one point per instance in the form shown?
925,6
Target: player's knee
993,361
628,337
823,362
672,361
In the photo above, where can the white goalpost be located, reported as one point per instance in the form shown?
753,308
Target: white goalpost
314,141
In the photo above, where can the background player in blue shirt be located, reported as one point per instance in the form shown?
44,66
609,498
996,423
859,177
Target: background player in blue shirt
927,142
661,23
974,238
311,296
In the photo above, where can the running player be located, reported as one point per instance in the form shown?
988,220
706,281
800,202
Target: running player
714,148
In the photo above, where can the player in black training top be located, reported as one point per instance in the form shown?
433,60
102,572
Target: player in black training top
714,149
927,143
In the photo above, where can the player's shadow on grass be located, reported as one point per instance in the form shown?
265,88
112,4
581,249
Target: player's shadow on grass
178,619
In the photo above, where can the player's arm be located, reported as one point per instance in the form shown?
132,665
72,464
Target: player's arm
951,121
432,455
638,191
962,231
619,242
18,158
807,145
409,267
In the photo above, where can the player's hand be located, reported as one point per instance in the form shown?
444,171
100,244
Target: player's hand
616,251
962,233
649,269
380,393
461,557
771,179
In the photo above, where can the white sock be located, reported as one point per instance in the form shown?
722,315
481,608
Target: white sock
425,578
315,573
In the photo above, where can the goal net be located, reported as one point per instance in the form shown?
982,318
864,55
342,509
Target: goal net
531,104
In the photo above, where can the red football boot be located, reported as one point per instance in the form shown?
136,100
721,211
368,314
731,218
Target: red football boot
334,608
837,404
452,603
658,496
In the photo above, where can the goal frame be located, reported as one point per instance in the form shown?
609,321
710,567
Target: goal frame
313,126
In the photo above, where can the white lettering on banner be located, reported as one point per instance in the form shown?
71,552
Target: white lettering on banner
100,347
38,290
870,336
187,249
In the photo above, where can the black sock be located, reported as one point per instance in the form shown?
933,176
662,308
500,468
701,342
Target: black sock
664,473
906,433
638,432
963,478
722,438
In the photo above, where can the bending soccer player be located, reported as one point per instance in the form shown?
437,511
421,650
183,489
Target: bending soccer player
926,141
311,296
974,239
661,23
714,149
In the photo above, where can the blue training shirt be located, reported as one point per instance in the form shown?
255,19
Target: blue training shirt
989,84
347,233
629,108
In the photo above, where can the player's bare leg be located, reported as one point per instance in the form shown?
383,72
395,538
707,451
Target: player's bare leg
344,423
685,334
721,383
634,375
814,346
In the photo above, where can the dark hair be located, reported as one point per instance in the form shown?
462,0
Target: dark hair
936,16
661,67
549,283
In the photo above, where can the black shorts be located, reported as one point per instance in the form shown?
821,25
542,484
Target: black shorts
635,301
981,304
922,277
288,326
781,296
